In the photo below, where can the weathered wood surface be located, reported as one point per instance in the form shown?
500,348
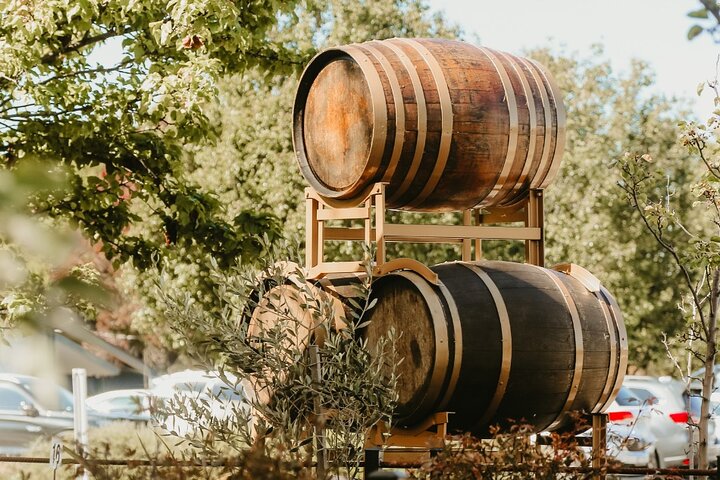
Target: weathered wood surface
449,125
560,347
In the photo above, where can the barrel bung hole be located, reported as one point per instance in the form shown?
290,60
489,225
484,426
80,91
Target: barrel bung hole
415,353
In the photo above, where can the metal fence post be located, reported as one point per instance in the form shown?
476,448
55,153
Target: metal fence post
80,419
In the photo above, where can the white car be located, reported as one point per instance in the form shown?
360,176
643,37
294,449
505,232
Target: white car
630,441
191,400
131,405
666,414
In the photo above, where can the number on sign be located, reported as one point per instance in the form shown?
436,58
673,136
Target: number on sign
55,453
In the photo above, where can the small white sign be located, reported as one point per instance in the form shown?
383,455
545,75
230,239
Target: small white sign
55,453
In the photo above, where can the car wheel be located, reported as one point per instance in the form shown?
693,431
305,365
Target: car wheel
654,462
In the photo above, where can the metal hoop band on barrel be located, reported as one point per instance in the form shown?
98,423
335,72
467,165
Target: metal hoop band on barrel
442,351
399,109
579,347
532,116
457,351
377,97
561,126
446,115
613,364
421,120
543,166
623,354
513,117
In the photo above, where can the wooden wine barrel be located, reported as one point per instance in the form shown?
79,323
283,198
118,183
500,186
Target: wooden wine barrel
301,308
448,125
496,341
290,313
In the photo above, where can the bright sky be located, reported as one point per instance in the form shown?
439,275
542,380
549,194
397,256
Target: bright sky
651,30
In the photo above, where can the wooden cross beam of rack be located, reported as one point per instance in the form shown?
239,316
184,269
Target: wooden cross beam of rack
478,225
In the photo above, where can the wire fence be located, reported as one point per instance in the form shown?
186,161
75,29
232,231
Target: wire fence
374,466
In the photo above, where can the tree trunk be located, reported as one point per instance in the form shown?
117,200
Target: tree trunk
709,377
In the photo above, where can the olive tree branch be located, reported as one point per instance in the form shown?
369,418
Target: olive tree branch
632,191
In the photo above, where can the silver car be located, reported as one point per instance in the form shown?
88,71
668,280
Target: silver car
130,405
31,408
663,410
629,442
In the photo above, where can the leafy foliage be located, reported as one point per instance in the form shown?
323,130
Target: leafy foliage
690,239
708,16
586,216
261,342
251,167
119,128
37,279
510,455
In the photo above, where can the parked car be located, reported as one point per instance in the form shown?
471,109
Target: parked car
665,412
696,378
694,400
630,440
189,399
31,408
131,405
185,381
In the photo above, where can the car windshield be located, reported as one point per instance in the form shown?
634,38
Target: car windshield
627,398
646,396
48,395
694,402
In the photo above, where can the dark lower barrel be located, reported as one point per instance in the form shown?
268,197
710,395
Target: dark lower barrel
495,341
446,124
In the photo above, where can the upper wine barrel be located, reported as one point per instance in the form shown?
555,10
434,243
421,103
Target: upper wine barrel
448,125
500,341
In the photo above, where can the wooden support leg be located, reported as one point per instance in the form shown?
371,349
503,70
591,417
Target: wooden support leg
380,226
534,249
478,241
599,443
319,427
312,238
467,243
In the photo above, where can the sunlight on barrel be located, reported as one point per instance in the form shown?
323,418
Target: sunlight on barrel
448,125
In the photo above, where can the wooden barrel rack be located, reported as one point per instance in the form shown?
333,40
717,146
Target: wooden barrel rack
478,225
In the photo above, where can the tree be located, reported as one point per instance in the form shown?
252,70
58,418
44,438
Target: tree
587,220
690,237
695,251
120,126
300,351
252,165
